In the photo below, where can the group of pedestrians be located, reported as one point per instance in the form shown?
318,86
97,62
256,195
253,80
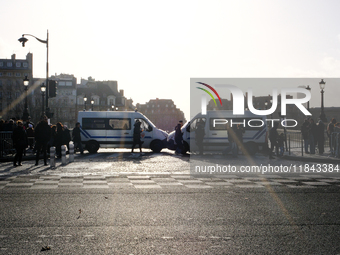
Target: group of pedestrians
313,135
43,137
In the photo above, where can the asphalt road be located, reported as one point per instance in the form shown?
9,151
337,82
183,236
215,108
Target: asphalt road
118,203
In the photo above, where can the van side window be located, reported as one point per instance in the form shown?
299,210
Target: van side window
119,124
93,123
144,126
193,125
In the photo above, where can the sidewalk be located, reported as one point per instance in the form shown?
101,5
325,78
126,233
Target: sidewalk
326,157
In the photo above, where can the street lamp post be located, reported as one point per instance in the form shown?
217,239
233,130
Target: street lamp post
23,40
25,114
43,90
322,87
309,89
85,99
92,103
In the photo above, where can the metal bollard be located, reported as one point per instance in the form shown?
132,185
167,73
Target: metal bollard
52,156
71,152
63,154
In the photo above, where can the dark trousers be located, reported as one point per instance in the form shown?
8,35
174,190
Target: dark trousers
272,145
18,155
135,142
41,147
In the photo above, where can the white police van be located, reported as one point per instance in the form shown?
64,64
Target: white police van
216,134
114,129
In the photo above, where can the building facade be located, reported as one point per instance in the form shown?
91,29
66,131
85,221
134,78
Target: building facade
162,112
12,90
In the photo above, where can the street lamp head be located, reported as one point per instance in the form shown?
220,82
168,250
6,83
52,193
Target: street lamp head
92,101
322,84
266,103
26,81
43,88
85,98
23,40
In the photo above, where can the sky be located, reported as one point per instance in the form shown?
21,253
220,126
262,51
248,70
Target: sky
153,48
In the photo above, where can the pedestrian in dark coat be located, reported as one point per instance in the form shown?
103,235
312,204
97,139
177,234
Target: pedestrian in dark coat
179,137
199,136
19,142
59,139
30,135
42,136
67,137
273,137
312,136
136,136
321,136
305,134
77,138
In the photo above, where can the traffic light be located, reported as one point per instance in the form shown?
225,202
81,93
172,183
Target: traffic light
52,88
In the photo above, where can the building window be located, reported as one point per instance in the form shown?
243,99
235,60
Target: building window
0,94
17,94
0,73
9,64
17,64
17,74
25,64
9,74
1,64
9,95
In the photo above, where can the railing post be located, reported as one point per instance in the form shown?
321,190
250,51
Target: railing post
302,147
52,156
63,154
71,152
289,144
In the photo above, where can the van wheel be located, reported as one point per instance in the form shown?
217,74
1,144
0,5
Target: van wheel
92,146
251,148
156,146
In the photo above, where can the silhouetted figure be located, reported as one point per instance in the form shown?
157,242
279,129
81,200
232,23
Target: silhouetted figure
77,138
199,136
320,136
42,136
136,136
19,142
273,136
179,137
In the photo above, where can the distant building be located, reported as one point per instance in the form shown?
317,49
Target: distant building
63,106
12,74
162,112
105,96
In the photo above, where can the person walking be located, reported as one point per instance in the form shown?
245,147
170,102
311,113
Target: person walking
179,138
77,138
59,139
199,136
330,130
320,129
19,142
312,136
305,134
30,136
273,136
136,136
42,136
67,137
